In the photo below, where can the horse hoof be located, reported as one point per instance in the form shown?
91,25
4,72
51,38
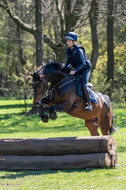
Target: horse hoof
53,115
45,118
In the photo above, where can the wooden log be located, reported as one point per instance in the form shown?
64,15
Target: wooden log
97,160
57,146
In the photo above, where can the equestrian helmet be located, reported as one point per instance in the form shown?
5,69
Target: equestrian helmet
71,36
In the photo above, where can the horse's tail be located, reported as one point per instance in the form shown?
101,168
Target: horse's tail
112,128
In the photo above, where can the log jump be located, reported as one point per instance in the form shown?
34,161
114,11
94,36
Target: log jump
58,153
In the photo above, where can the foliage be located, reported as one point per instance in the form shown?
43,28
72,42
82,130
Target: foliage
99,78
11,43
14,124
23,87
99,81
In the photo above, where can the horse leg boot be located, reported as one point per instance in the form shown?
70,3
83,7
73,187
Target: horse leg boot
88,106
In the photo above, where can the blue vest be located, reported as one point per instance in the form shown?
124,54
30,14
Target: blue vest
77,58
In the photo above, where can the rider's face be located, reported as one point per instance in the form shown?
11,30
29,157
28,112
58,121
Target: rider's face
70,43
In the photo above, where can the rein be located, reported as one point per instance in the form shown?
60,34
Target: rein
57,85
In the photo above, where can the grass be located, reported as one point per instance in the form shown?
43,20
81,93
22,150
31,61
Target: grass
14,124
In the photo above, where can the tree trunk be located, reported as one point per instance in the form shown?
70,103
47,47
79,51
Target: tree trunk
39,33
93,18
110,44
20,48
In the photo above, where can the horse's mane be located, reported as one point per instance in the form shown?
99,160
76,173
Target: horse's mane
53,65
57,66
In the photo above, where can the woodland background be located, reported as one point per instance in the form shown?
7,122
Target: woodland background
32,34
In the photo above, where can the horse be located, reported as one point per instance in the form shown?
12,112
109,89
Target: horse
61,89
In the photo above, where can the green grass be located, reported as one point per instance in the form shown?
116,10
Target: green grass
14,124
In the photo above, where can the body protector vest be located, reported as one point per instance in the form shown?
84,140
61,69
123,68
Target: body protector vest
77,58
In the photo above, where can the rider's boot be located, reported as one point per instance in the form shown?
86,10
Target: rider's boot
88,106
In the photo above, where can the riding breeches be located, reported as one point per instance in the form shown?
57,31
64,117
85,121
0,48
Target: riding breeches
85,77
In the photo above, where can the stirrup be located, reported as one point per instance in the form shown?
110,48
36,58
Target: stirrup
88,107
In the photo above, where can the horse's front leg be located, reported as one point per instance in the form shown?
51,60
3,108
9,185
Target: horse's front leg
43,116
46,103
62,107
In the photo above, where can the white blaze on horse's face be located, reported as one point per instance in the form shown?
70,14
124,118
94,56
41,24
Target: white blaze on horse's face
40,87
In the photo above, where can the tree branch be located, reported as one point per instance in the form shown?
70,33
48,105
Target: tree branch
61,20
48,41
17,20
72,17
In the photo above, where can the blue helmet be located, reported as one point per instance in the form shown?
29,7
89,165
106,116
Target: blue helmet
71,36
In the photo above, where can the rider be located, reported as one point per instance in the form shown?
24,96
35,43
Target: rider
80,63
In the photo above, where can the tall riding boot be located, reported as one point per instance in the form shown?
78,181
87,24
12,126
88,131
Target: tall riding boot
88,106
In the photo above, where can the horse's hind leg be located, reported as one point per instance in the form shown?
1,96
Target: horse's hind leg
105,120
105,124
92,127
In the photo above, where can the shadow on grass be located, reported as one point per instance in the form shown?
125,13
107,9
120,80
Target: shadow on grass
26,129
13,174
9,115
19,123
14,106
15,124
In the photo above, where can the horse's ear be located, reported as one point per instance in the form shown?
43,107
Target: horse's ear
29,73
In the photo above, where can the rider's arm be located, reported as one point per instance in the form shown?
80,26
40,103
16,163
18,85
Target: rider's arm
82,60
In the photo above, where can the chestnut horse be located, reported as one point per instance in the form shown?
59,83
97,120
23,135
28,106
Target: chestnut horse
62,96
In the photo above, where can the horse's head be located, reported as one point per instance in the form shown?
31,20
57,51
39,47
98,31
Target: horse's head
53,73
40,86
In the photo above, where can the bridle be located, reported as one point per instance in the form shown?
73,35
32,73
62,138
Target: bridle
45,86
50,93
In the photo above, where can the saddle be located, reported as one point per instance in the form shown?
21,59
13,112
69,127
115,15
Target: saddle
92,94
70,79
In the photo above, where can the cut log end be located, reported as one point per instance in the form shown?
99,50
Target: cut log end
104,160
114,160
111,145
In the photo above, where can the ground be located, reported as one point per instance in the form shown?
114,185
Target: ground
14,124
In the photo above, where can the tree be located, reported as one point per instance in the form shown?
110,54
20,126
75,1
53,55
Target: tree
93,18
110,43
34,30
66,14
39,32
